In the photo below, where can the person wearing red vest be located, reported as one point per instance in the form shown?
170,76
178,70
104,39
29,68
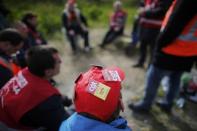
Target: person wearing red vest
75,24
35,37
28,100
176,52
20,56
10,42
117,24
151,15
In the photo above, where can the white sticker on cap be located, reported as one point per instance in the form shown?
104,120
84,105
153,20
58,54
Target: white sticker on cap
98,89
111,75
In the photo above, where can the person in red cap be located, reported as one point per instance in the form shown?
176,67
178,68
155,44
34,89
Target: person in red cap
98,101
75,24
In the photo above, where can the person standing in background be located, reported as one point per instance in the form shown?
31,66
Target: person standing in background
176,52
151,15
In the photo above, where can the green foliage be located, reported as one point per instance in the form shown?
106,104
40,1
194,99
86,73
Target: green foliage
50,11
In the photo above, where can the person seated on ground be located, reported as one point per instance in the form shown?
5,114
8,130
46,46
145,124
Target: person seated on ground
28,100
117,24
20,56
10,42
98,101
34,36
75,24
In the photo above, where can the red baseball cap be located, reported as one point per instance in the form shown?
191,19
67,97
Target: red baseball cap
97,91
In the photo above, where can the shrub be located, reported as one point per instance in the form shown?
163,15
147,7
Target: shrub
49,12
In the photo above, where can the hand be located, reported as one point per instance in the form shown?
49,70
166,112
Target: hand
142,10
71,32
116,28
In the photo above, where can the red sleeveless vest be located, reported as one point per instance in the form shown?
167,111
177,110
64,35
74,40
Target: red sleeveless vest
21,94
185,45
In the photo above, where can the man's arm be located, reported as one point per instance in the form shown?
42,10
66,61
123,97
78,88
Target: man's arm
159,11
183,12
83,20
49,114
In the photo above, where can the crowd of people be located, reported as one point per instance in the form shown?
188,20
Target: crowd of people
29,99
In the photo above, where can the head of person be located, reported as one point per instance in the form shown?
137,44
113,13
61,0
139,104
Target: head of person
70,5
22,28
10,41
98,93
30,19
43,61
117,5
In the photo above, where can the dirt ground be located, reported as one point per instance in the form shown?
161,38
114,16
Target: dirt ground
180,120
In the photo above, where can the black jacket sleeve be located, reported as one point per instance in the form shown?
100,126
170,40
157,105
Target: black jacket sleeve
5,76
65,21
183,12
83,20
49,114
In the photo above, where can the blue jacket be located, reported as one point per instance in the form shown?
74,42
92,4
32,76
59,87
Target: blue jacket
80,123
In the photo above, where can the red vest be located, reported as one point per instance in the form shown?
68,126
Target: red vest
118,19
21,94
185,45
154,23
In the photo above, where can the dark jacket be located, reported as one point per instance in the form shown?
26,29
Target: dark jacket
5,73
73,24
183,12
50,114
35,37
152,17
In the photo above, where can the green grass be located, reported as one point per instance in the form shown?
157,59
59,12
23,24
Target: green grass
49,12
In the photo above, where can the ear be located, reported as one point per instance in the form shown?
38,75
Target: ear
48,73
6,44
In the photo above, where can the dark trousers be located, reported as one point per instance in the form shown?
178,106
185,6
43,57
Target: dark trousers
147,40
111,35
73,39
135,32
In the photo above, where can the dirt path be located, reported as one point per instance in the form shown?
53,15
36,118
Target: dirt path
180,120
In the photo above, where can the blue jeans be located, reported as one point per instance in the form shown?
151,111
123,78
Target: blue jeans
153,79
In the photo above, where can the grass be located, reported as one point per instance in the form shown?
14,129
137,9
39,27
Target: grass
49,12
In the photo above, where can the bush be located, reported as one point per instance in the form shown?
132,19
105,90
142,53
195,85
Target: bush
49,12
